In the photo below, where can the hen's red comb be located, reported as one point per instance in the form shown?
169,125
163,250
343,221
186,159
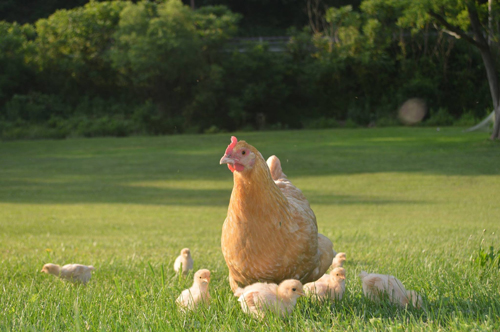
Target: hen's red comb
230,147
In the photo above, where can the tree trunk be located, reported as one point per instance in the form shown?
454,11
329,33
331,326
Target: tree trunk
489,65
490,23
491,74
496,128
192,4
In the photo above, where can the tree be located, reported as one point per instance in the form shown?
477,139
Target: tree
71,46
470,20
15,73
163,50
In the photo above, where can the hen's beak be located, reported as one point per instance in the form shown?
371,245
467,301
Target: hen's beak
300,293
226,160
205,280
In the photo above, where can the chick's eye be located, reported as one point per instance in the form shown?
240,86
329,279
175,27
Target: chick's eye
243,152
294,289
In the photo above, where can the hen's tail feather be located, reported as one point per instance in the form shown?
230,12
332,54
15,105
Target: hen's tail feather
363,274
325,247
274,165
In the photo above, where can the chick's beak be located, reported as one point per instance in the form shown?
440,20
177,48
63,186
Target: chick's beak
300,293
226,160
205,280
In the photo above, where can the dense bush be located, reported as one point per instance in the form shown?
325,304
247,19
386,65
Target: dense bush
16,74
440,118
124,68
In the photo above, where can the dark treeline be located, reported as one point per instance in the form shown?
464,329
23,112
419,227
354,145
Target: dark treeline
258,17
123,67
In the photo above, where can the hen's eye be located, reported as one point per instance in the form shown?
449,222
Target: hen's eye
294,289
243,152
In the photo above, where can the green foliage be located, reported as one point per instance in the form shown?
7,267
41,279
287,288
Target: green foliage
487,258
71,48
164,50
468,119
32,131
215,25
35,107
154,45
160,68
321,123
103,126
15,50
387,122
440,118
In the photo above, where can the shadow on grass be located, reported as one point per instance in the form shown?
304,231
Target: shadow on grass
443,312
22,191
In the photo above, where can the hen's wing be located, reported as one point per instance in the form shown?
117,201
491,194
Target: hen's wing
305,221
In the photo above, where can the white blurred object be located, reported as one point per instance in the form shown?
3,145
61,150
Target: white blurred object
412,111
483,125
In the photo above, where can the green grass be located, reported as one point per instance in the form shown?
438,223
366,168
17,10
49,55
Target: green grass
411,202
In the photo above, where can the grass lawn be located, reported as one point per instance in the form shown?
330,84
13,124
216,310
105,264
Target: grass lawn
413,202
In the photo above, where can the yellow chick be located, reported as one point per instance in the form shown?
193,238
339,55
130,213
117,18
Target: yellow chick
338,260
75,273
375,285
184,261
259,298
328,286
197,294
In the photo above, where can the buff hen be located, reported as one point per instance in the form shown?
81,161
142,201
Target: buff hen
270,233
